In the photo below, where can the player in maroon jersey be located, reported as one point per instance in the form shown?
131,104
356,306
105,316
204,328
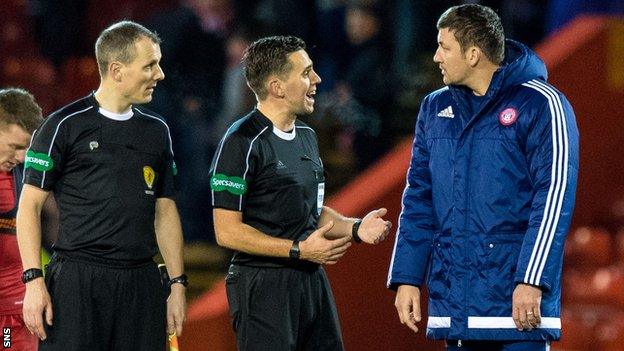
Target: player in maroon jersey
19,116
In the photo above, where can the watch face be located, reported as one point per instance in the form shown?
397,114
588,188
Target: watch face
294,251
183,279
31,274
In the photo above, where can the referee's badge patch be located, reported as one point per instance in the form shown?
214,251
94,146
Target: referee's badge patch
149,175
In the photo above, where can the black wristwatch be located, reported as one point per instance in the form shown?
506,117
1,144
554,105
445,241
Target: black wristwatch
183,279
31,274
354,231
294,252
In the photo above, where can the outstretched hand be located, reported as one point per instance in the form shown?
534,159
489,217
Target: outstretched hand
374,229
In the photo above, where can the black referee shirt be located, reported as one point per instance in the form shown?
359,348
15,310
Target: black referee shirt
274,178
106,175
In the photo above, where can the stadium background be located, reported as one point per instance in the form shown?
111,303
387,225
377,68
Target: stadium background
375,61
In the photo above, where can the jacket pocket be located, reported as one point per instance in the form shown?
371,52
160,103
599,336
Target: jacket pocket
502,250
440,268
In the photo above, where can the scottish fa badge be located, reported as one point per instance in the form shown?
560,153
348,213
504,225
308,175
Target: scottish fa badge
149,175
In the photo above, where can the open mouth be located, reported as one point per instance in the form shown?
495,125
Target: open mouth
310,95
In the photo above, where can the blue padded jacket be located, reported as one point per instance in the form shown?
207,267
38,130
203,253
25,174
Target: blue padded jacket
488,202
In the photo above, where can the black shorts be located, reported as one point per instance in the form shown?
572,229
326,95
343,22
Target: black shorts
283,309
98,307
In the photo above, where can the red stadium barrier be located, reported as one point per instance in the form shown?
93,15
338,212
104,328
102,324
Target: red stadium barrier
208,325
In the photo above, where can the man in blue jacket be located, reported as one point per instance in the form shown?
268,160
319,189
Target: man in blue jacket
489,196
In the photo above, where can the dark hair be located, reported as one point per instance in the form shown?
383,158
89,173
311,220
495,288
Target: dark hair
268,56
477,25
17,106
116,43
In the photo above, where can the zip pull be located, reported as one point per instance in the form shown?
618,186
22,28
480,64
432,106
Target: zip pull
459,343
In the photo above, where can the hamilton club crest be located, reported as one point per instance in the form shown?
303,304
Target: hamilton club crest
149,175
508,116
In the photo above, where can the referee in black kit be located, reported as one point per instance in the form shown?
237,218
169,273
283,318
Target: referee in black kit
267,188
110,166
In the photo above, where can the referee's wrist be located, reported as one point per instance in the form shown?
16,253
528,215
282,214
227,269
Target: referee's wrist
177,287
181,280
295,251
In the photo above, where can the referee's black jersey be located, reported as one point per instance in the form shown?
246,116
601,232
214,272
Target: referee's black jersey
274,178
106,175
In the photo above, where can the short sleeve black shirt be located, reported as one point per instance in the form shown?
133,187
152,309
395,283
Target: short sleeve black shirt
277,183
106,176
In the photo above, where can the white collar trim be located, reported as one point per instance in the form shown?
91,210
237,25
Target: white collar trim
285,135
117,116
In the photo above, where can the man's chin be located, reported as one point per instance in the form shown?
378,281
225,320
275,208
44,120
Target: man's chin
142,100
308,110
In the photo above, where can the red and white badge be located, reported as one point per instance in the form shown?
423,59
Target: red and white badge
508,116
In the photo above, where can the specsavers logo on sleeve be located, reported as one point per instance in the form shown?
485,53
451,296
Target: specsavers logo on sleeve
38,161
235,185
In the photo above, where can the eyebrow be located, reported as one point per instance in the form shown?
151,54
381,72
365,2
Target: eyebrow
19,144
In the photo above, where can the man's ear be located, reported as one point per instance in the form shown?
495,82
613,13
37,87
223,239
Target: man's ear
276,87
114,70
474,55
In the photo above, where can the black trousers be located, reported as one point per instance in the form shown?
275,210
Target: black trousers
103,308
282,309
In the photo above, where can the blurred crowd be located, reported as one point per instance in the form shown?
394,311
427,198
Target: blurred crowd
375,59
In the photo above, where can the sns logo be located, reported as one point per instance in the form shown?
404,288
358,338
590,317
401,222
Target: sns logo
6,337
234,185
40,162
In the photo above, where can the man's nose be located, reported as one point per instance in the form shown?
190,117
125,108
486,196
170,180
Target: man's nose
20,155
436,56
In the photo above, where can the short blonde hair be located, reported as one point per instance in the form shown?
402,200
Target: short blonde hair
116,43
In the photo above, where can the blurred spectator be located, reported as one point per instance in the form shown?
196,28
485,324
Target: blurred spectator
190,99
364,96
237,97
413,35
215,16
331,52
